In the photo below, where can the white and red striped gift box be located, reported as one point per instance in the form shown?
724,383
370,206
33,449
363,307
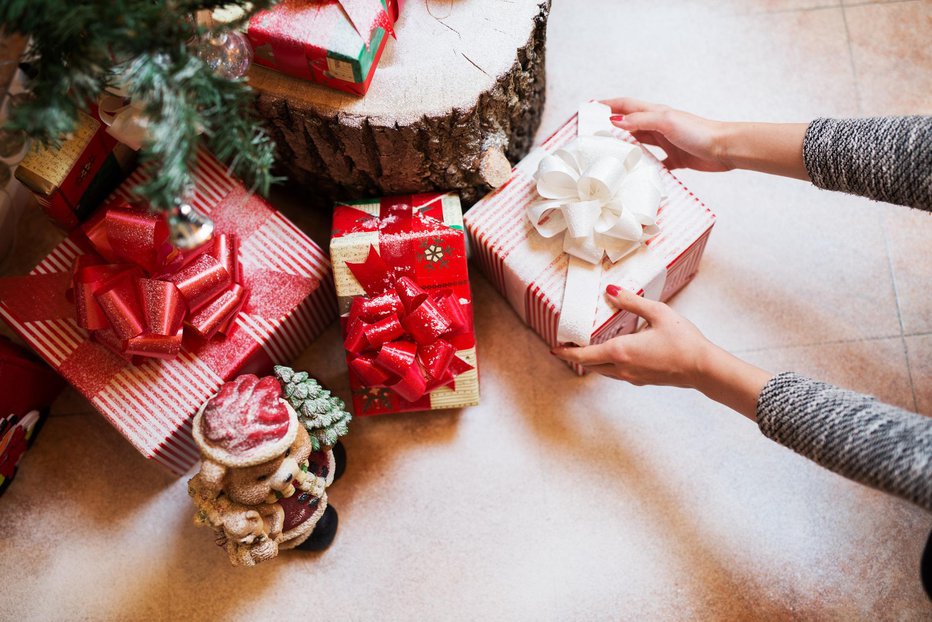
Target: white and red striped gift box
530,271
152,403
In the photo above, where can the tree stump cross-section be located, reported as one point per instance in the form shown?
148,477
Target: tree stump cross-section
455,101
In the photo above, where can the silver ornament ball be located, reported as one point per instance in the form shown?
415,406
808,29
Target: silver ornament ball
188,227
228,54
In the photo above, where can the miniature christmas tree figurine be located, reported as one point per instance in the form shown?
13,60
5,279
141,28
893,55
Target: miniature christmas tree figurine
324,416
262,485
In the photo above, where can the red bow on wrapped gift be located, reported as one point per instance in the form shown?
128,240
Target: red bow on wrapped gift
136,292
399,333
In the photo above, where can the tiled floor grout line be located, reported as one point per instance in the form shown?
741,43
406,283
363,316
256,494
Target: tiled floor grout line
854,69
899,315
869,2
832,342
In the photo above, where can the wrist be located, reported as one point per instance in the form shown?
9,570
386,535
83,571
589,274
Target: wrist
724,139
727,379
707,368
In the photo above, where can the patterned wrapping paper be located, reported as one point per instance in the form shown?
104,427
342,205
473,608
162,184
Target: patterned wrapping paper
152,402
420,237
70,181
530,271
337,43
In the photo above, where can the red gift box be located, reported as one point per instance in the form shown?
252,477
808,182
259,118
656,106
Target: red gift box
27,389
72,180
337,43
531,271
401,277
151,401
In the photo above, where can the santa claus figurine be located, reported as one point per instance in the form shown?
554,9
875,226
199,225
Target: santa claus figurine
268,457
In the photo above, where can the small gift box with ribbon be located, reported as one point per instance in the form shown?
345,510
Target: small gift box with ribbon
147,333
337,43
587,208
72,180
400,271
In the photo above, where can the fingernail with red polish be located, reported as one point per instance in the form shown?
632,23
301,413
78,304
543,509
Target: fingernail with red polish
615,118
612,290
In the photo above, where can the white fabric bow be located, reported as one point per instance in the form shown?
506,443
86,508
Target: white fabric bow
125,120
601,194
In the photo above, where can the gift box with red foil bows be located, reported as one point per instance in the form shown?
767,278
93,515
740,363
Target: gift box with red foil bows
337,43
147,333
400,271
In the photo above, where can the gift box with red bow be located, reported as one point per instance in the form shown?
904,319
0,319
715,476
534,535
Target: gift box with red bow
587,208
400,271
147,332
337,43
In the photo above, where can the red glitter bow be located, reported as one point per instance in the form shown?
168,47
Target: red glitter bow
399,333
137,293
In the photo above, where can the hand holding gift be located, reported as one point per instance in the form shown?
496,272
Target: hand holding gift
587,208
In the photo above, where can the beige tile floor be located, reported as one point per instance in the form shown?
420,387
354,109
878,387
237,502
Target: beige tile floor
563,498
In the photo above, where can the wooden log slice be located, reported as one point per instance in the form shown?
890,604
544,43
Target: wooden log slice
455,100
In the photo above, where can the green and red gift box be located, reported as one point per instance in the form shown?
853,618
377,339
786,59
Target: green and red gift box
337,43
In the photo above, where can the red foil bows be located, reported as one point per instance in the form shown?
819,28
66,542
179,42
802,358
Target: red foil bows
399,333
137,294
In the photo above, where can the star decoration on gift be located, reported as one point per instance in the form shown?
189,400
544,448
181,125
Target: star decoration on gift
375,398
435,254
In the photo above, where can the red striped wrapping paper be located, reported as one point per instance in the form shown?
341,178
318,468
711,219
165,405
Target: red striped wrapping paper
530,271
152,403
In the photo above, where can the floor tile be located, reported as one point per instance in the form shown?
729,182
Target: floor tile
788,264
877,367
909,232
919,349
87,511
891,51
781,66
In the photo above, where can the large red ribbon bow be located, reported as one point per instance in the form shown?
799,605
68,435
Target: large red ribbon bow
398,334
137,293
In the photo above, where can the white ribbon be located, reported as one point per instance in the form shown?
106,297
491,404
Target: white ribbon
125,120
602,196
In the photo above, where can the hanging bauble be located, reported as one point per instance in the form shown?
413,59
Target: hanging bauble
228,54
12,142
188,227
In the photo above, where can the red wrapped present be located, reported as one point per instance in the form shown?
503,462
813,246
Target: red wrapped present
406,308
147,333
27,389
337,43
587,208
72,180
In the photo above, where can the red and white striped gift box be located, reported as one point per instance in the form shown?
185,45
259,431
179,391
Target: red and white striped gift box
291,301
530,271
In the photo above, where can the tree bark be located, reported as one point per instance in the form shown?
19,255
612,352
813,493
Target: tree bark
454,100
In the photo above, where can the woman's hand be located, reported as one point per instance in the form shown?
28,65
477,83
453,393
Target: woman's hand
670,351
689,141
704,145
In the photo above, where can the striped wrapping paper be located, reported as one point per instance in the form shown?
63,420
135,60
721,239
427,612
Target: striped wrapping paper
152,403
530,271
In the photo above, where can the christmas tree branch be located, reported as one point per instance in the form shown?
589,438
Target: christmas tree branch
81,47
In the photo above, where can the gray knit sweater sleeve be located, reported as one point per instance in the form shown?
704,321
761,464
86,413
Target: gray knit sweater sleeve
852,434
883,158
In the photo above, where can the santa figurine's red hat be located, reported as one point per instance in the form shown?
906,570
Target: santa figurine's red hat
246,422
